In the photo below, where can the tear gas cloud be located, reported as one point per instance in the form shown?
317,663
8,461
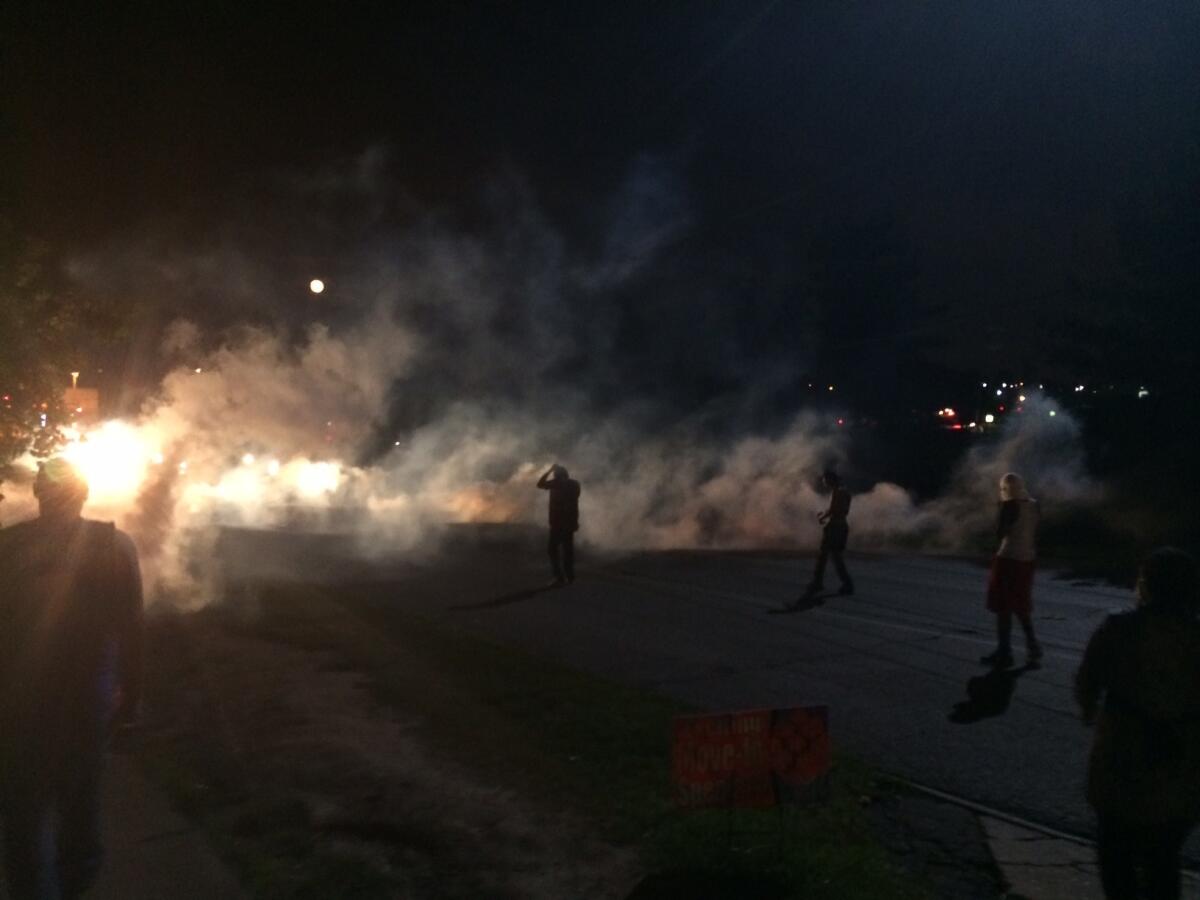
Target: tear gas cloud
461,365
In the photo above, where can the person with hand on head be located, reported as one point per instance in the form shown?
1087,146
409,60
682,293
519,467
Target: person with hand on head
70,671
564,522
1139,684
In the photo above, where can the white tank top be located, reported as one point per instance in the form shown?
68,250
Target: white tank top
1019,542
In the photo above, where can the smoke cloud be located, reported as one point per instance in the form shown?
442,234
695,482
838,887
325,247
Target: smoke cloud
454,364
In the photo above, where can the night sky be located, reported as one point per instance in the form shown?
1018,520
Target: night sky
867,191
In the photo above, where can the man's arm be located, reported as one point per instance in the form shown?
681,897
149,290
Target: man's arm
1092,677
544,481
128,604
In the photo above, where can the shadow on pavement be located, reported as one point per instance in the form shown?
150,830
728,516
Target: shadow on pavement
987,695
507,599
803,604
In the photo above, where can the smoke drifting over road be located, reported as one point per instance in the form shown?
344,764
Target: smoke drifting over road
458,363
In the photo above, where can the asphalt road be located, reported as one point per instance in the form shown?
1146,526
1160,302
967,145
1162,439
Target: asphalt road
891,662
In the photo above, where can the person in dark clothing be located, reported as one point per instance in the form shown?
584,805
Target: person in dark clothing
70,669
1139,683
833,539
564,522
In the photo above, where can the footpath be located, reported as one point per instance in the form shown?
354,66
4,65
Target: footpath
152,851
963,850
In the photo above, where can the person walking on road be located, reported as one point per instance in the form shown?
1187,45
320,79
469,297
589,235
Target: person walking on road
1139,683
564,522
835,534
1010,582
70,669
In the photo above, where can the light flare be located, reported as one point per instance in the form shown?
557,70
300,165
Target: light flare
313,479
113,458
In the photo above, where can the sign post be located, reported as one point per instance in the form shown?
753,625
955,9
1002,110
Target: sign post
755,759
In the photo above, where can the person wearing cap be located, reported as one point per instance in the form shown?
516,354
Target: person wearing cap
1139,684
834,536
70,671
564,522
1010,580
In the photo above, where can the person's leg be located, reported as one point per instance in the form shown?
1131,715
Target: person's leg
568,545
80,852
29,850
1004,631
552,549
552,553
840,566
1160,859
1032,647
1002,656
818,576
1118,872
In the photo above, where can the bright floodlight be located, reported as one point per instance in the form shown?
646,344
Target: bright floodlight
316,285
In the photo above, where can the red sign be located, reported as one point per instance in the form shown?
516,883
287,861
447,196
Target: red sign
750,759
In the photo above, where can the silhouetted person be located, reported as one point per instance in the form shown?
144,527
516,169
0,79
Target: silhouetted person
70,669
1140,684
1010,582
833,538
564,522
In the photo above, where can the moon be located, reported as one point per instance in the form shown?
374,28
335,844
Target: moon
316,285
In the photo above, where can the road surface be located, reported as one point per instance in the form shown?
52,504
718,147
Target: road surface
891,662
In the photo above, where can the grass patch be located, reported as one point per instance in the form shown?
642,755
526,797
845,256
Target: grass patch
558,737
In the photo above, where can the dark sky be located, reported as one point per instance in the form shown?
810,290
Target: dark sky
964,185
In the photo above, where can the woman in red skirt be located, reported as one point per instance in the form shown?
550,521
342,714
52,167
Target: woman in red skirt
1010,583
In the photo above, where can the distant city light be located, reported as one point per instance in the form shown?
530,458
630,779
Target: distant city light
157,459
1021,398
985,384
316,285
1078,388
273,467
247,459
199,370
1142,392
1004,384
999,393
183,467
972,425
831,387
841,421
989,418
1053,413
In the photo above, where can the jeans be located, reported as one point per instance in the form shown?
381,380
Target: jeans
52,847
562,538
1124,849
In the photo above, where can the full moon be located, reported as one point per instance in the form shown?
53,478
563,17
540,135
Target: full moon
316,285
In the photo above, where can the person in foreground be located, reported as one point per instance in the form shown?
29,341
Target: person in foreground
564,522
70,670
1139,683
1010,581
